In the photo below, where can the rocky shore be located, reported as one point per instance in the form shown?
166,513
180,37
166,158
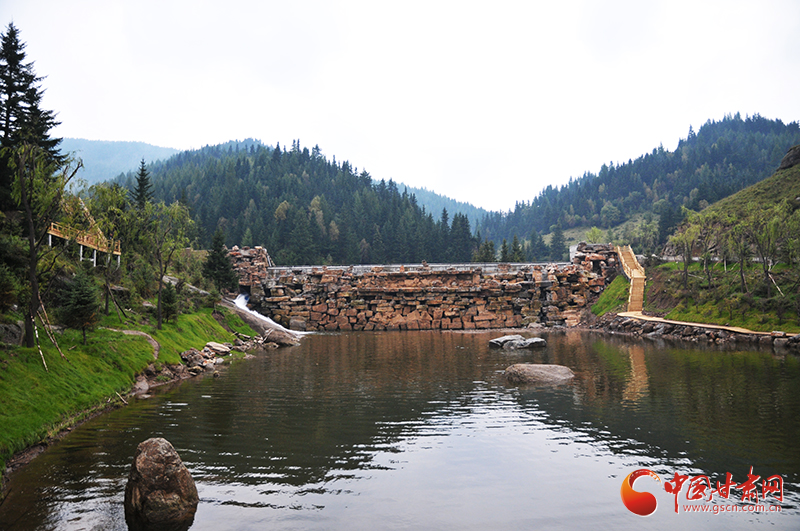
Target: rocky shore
654,330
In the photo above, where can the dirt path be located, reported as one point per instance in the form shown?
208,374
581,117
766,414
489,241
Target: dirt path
737,329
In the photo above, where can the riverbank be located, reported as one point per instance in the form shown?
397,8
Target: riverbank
650,327
38,405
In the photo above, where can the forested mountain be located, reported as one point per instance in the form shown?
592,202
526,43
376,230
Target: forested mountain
718,160
434,202
104,160
304,208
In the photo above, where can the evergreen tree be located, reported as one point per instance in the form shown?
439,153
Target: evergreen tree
378,248
80,309
143,192
218,266
170,302
558,246
485,252
247,239
22,120
517,254
505,255
461,242
538,250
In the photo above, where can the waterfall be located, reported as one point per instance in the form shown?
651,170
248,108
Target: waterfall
241,303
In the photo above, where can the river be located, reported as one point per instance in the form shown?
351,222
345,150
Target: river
418,430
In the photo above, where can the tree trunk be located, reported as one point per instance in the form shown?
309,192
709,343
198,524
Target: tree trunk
741,275
160,287
33,305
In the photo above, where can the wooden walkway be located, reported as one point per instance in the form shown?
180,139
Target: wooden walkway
635,273
92,239
737,329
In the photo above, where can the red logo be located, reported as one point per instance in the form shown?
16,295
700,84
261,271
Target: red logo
700,489
641,503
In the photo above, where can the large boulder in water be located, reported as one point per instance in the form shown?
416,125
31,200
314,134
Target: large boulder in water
516,341
160,493
531,373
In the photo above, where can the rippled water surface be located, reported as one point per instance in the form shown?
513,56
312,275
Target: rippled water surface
415,430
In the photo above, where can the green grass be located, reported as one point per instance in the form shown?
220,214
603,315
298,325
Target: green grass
35,404
784,184
614,298
713,313
724,304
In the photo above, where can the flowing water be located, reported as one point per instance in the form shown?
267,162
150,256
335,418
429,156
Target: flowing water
417,430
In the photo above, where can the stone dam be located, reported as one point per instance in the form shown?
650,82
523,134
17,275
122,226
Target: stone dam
425,296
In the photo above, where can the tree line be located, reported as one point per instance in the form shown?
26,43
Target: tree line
304,208
718,160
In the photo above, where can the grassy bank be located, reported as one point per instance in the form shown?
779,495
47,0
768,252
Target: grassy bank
614,298
35,403
721,303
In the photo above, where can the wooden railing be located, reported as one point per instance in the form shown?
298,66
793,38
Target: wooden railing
630,265
635,273
87,238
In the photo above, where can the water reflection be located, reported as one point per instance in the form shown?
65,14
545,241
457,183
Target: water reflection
418,430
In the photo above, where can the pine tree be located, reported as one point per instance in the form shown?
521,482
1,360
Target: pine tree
80,310
247,238
558,246
170,302
538,250
143,193
218,266
22,120
485,252
517,254
505,255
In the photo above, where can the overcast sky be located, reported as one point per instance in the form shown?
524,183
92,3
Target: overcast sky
485,102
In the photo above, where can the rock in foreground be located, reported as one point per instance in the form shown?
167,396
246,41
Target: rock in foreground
160,493
530,373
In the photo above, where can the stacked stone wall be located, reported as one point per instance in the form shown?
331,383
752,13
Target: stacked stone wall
251,265
433,297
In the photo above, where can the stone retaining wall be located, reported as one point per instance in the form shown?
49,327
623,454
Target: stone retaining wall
618,324
434,297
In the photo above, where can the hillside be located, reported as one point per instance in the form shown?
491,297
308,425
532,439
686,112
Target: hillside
718,160
103,160
783,184
304,208
308,209
746,260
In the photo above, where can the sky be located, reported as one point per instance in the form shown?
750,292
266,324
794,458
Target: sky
484,102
